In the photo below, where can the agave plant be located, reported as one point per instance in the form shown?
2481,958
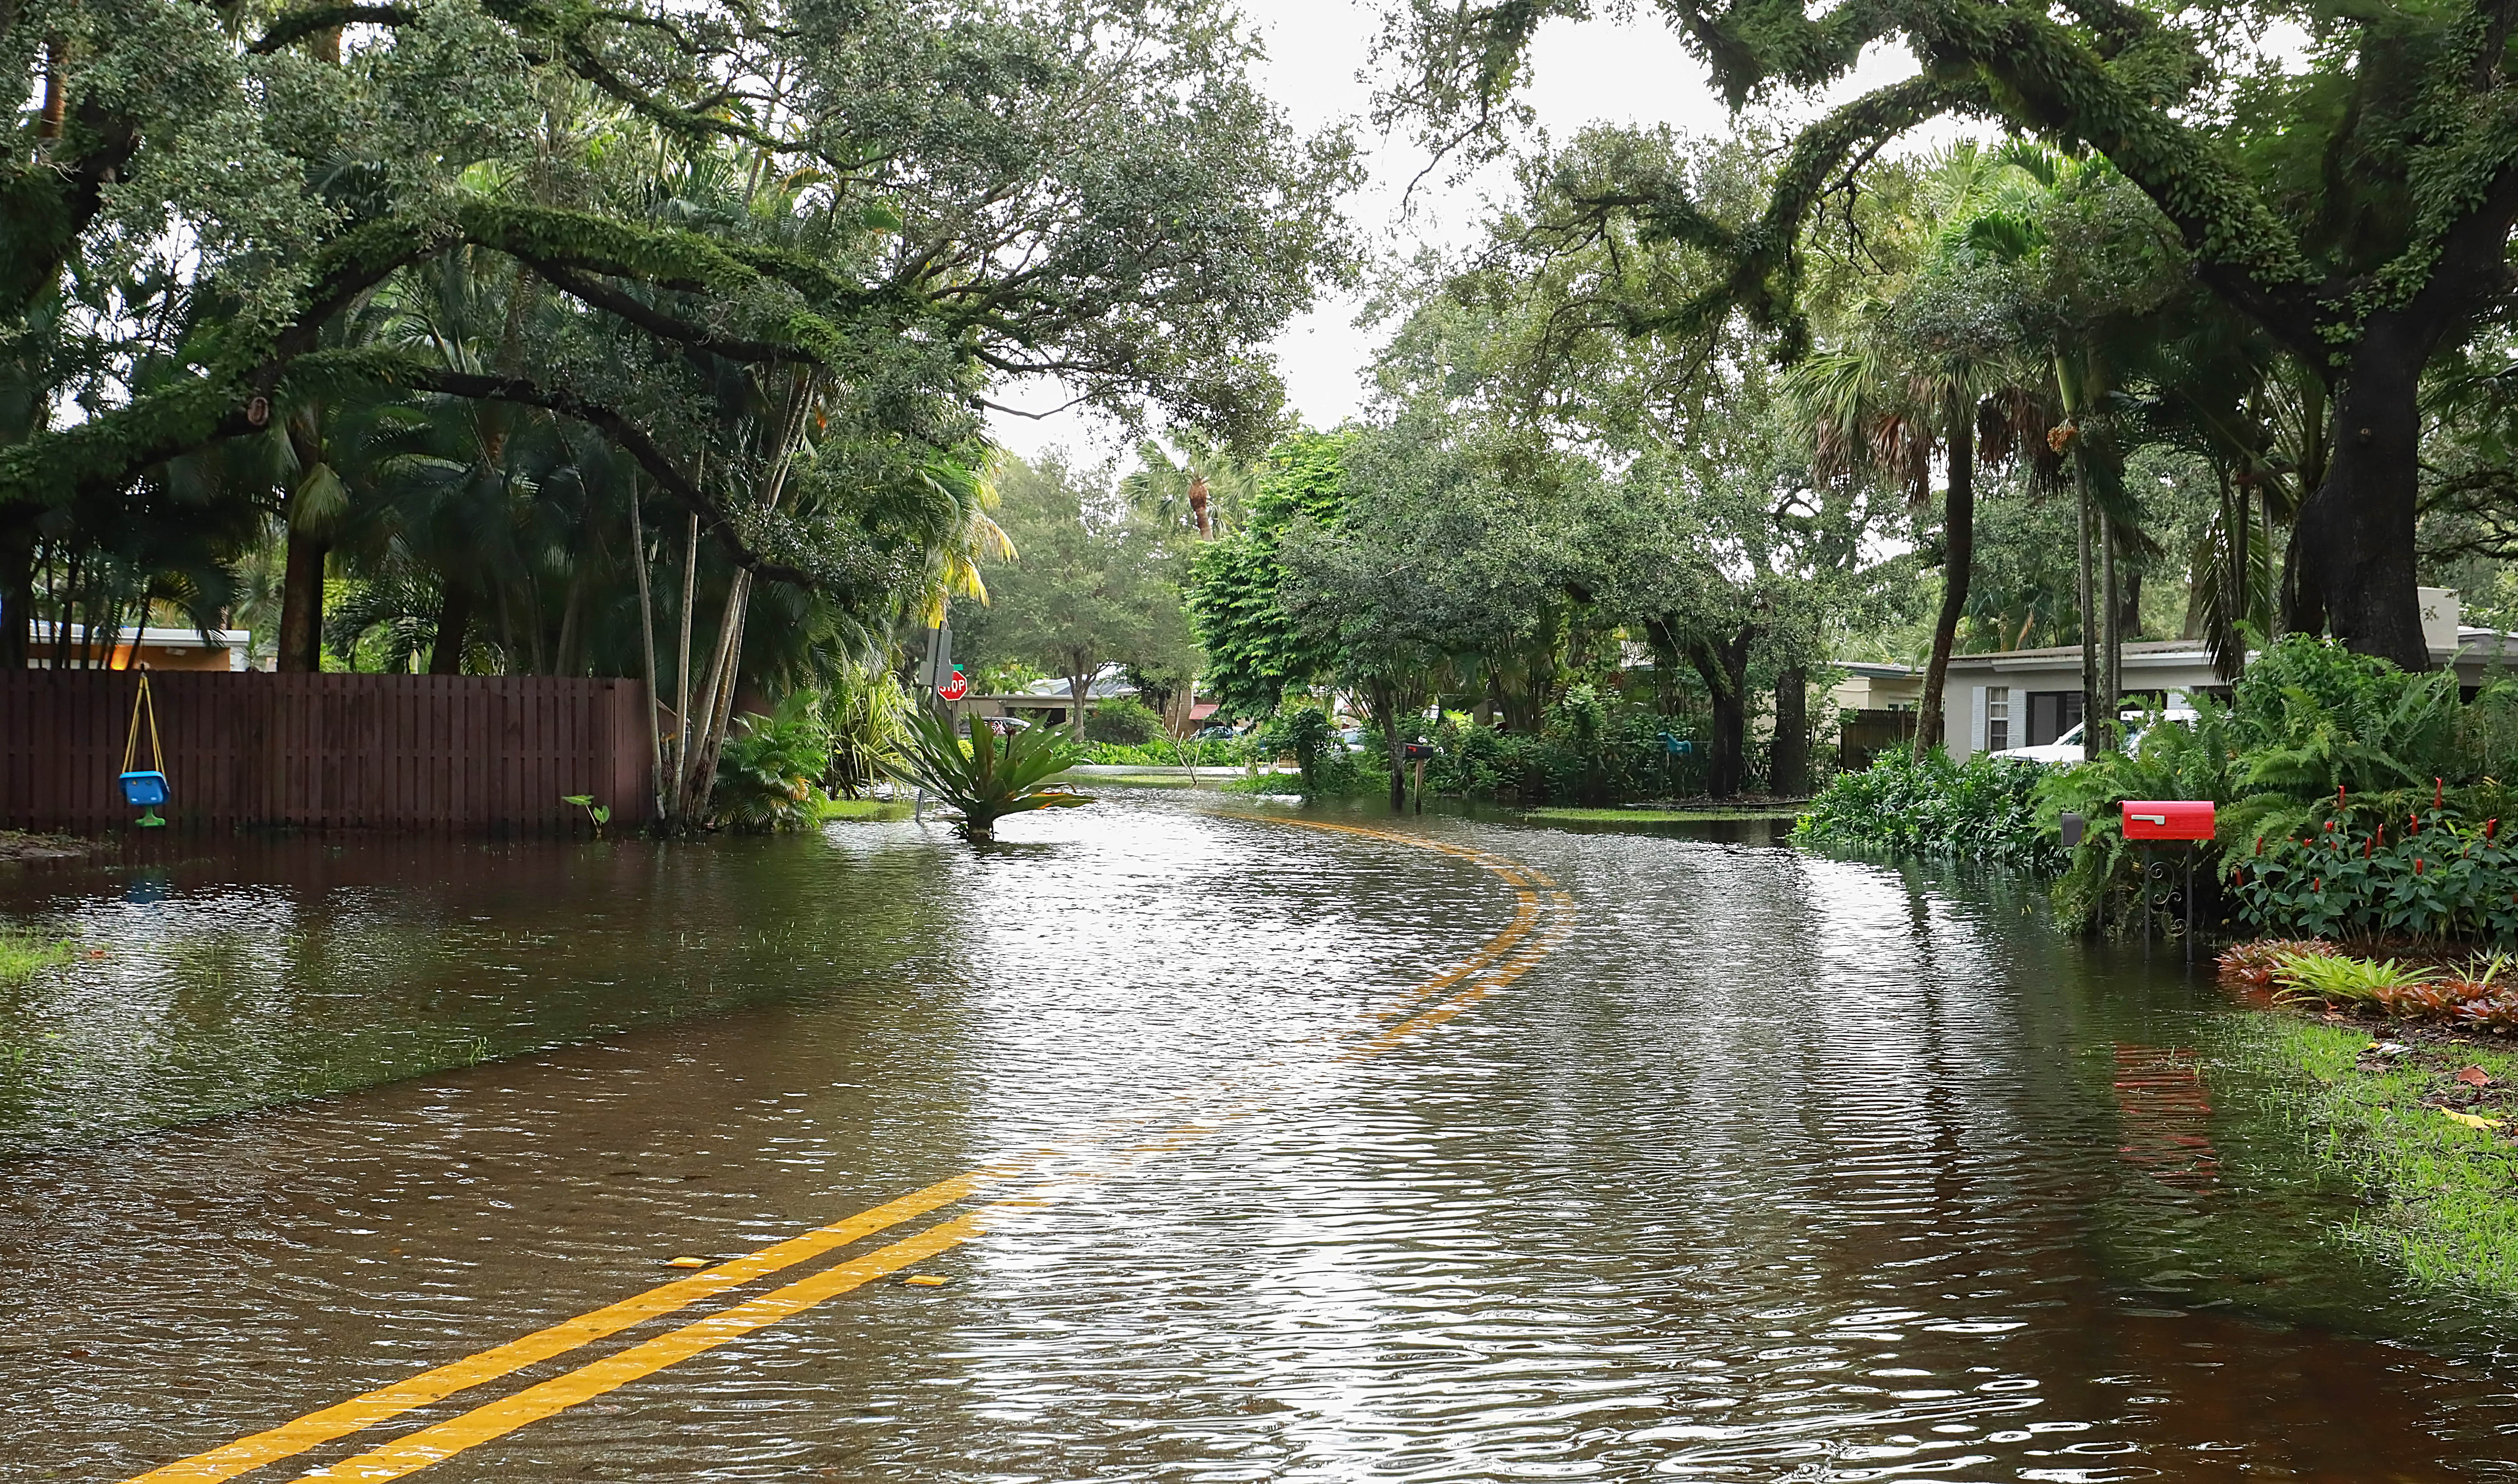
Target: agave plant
990,779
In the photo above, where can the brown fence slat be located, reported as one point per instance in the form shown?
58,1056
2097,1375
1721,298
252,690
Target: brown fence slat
468,753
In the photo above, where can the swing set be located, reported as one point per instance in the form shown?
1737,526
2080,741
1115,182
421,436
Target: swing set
143,789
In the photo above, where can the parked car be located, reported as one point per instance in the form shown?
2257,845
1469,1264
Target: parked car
1355,738
1007,726
2067,748
1214,731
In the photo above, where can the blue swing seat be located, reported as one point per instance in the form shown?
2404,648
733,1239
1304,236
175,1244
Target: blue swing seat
144,789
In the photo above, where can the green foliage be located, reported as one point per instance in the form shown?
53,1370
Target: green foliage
2428,879
1163,752
597,815
1122,719
1089,584
767,777
868,713
25,953
2351,795
1236,592
989,777
1983,811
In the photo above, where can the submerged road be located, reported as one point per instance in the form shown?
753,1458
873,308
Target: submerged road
1182,1139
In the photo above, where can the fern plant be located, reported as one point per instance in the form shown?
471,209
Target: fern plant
988,778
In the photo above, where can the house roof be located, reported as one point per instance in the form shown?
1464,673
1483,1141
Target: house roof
2145,653
155,638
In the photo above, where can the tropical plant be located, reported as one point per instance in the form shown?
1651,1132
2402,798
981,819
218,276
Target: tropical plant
597,815
1983,809
868,713
989,777
2335,977
769,774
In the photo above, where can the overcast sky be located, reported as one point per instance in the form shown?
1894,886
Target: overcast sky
1597,70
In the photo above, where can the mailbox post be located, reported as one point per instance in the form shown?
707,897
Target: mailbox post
1417,754
2189,822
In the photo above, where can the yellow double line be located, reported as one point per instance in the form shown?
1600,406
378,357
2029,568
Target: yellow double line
1540,921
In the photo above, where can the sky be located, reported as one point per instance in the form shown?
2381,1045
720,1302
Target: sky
1593,71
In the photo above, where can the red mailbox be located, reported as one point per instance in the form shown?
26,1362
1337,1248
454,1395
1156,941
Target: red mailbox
2168,818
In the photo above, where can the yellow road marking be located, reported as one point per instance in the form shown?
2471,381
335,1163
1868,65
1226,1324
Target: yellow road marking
433,1386
495,1420
1488,965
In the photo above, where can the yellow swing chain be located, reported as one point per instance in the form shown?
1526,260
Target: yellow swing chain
131,744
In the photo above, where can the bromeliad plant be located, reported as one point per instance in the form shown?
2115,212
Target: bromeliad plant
989,777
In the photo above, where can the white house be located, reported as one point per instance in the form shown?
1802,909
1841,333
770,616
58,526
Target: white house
2027,697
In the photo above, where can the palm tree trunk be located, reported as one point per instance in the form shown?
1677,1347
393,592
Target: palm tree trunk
2090,707
301,607
453,619
1957,542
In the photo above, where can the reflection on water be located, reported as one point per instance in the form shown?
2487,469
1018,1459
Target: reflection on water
1783,1167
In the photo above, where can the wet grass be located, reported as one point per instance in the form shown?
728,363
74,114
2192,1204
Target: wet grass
23,954
2444,1191
863,810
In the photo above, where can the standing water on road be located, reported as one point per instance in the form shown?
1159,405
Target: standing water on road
1381,1161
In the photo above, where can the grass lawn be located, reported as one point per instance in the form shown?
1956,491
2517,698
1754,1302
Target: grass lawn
2433,1151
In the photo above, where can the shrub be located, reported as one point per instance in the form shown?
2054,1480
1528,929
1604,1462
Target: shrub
765,776
1122,719
1983,809
2430,878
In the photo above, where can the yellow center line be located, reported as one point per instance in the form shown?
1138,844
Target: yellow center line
432,1386
495,1420
1487,967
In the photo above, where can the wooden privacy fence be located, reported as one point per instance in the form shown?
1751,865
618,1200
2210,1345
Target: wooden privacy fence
469,753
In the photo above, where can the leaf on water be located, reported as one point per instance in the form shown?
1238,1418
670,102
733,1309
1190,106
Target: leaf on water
923,1281
687,1263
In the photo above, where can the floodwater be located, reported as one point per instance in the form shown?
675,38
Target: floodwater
1310,1155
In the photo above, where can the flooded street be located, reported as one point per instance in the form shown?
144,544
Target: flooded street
1247,1149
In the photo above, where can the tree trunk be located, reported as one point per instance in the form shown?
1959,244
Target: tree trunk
17,589
2353,544
1958,565
2111,639
301,608
454,621
2091,709
1788,770
1724,668
1078,688
1385,706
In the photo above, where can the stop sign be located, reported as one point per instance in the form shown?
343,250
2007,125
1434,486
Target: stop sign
956,686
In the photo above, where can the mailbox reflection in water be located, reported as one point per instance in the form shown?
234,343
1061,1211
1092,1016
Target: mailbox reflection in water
2168,818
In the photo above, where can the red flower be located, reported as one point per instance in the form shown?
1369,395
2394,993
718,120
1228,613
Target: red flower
2260,844
2316,885
2418,866
2439,787
2491,828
